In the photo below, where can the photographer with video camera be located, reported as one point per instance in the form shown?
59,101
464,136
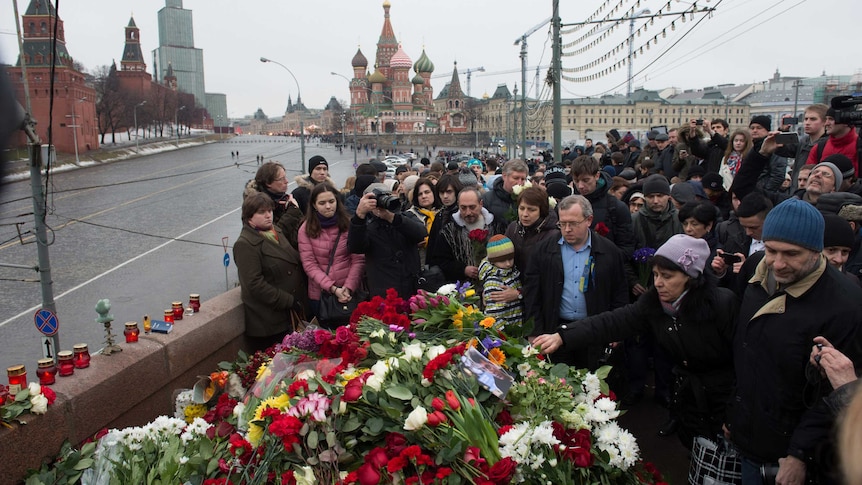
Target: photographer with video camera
388,239
841,120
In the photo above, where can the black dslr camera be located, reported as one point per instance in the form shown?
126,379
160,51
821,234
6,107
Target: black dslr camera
845,110
385,200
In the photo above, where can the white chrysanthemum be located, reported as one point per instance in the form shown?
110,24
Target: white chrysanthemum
596,416
234,386
613,453
591,383
544,434
195,429
608,433
606,404
413,351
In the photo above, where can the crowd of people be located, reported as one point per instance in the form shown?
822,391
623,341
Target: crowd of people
726,263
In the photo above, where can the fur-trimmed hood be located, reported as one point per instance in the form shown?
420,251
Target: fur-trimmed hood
307,182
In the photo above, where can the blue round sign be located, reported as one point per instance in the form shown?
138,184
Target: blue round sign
226,260
46,322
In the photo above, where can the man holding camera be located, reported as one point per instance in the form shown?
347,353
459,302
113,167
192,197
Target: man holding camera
388,239
713,150
793,296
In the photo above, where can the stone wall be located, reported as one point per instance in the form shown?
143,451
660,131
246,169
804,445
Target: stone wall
130,388
406,141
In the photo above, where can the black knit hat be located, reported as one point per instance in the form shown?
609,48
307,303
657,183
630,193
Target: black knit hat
837,232
315,161
656,184
762,120
712,181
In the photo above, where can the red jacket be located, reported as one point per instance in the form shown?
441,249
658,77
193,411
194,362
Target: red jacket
346,267
846,145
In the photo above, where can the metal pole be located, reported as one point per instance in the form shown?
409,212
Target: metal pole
524,98
355,148
137,146
75,131
631,40
558,115
42,239
796,86
299,103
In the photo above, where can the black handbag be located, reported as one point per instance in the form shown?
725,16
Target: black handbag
333,313
430,278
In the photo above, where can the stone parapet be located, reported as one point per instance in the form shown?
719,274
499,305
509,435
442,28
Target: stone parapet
130,388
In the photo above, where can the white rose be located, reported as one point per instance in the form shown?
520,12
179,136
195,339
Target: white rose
416,419
448,289
413,351
39,403
380,369
434,351
375,382
34,388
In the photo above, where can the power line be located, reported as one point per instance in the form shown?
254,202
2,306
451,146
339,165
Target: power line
138,233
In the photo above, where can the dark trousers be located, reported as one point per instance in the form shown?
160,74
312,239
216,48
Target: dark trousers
638,350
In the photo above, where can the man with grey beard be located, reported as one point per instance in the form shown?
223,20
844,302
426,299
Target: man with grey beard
775,418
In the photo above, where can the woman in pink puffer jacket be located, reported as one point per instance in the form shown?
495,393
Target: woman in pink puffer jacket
326,221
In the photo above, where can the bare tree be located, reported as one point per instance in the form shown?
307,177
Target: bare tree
472,110
109,102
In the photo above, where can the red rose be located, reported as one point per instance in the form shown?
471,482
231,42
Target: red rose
602,229
478,235
377,457
49,394
502,471
287,478
353,390
368,474
395,443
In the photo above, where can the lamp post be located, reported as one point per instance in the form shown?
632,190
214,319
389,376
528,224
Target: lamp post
377,131
176,124
74,127
301,121
353,119
135,112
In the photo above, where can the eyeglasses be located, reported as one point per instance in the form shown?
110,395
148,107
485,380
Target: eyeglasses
570,225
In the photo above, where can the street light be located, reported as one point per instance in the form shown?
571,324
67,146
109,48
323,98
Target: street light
176,124
353,118
136,123
74,127
301,121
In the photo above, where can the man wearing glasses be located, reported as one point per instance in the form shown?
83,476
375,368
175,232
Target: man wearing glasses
571,277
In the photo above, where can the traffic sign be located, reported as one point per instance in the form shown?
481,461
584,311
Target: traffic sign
226,260
46,322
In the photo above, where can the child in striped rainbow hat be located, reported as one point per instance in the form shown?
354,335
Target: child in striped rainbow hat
498,274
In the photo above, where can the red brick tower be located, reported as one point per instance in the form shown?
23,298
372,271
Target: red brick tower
74,101
133,73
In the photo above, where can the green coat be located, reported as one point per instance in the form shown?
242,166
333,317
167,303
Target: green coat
272,280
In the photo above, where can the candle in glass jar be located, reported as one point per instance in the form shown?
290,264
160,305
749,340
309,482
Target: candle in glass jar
81,358
46,372
131,332
65,363
195,302
169,316
177,309
4,394
17,378
147,324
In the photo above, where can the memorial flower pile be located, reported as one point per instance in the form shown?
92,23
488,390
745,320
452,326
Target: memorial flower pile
426,390
33,399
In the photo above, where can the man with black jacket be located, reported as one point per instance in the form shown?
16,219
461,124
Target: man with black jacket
794,296
572,277
712,151
611,217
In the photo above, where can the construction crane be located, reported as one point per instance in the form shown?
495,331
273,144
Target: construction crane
469,72
522,41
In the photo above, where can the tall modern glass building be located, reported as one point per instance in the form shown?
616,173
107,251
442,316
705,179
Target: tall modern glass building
177,48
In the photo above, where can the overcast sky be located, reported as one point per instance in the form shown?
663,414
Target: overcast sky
744,41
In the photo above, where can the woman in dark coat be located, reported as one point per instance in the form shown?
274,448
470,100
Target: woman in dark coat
270,274
271,180
535,223
692,320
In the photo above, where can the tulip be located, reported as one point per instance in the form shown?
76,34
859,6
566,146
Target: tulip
453,401
438,404
445,300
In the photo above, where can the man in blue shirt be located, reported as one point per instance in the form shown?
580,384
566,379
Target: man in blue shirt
568,278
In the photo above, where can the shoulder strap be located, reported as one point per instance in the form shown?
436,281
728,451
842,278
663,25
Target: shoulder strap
821,144
332,253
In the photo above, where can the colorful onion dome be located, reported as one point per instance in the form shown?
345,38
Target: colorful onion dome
359,60
400,60
423,64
